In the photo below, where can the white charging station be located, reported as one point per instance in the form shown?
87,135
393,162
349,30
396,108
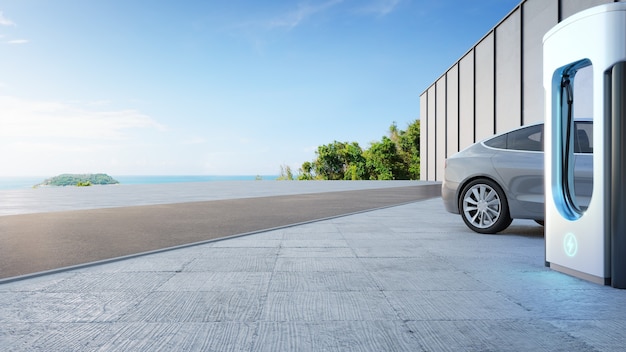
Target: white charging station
586,240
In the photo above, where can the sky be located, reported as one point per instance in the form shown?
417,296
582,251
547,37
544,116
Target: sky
216,87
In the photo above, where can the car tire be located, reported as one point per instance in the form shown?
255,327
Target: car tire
483,207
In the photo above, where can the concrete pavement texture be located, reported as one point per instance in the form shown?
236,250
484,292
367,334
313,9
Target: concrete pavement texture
404,278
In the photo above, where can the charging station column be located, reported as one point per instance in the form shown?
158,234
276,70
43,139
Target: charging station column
587,238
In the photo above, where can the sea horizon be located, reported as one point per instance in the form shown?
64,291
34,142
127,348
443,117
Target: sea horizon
24,182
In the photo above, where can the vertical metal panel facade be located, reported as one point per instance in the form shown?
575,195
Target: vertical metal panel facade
423,137
538,17
466,100
484,95
431,150
441,127
495,86
452,109
509,72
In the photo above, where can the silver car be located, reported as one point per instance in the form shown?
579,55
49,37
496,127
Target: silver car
500,179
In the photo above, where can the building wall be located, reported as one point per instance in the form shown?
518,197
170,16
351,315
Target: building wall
496,86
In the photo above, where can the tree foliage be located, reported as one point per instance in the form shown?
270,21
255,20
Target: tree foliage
384,162
285,173
394,157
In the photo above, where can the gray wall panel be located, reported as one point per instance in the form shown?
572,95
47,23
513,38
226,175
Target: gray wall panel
538,17
484,93
423,137
571,7
432,135
452,109
508,41
441,127
466,100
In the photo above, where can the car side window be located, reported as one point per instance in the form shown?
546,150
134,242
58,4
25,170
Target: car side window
497,142
583,140
529,139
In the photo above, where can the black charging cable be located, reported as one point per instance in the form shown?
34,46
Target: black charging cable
567,91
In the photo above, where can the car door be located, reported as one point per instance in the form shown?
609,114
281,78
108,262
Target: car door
520,167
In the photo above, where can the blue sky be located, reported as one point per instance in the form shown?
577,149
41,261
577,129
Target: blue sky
232,87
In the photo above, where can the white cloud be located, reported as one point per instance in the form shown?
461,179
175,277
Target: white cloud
30,158
304,11
194,140
5,21
48,147
23,118
47,138
18,41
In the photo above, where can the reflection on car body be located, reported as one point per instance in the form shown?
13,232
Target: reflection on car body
502,178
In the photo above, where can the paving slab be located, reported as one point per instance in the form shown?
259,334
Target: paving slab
405,278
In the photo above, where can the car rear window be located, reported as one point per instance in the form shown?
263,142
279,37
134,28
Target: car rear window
529,139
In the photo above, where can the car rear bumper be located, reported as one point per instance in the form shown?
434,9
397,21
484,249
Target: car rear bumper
449,197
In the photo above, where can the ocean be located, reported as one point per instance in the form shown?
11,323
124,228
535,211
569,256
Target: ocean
15,183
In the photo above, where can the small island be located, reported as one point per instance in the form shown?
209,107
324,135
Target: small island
79,180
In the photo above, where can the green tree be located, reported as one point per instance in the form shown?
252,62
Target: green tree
285,173
340,161
330,164
411,149
395,157
355,165
408,148
306,171
384,162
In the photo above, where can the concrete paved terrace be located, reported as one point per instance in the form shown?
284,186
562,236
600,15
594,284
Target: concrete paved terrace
405,278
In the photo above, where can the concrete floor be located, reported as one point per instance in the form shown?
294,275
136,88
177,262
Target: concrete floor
405,278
